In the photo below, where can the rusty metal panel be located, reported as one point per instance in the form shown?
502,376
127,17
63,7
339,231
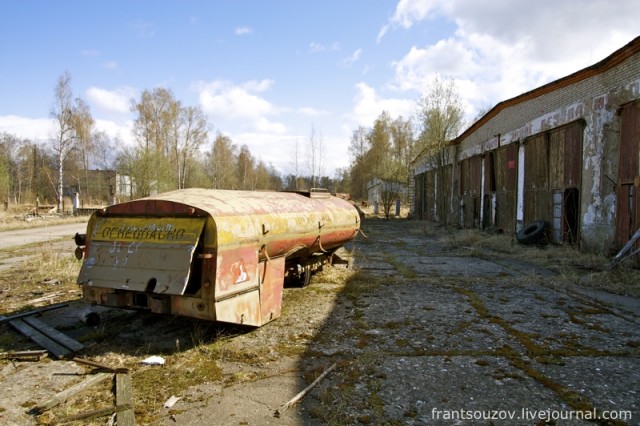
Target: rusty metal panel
489,172
628,201
472,175
556,159
537,197
573,134
271,284
242,309
237,271
141,254
629,140
430,196
419,189
506,175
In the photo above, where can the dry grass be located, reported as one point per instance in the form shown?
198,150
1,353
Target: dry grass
48,276
19,218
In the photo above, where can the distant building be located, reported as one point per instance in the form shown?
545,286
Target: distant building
97,187
376,187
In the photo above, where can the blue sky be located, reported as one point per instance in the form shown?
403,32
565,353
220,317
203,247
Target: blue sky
268,73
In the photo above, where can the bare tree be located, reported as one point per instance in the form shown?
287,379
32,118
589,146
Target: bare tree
83,124
193,133
104,150
359,171
295,164
246,168
440,115
73,123
223,161
315,156
156,131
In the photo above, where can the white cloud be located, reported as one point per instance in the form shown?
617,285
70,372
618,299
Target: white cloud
408,12
241,103
319,47
243,31
351,59
418,67
503,48
143,29
119,131
27,128
368,105
312,112
270,148
111,65
115,101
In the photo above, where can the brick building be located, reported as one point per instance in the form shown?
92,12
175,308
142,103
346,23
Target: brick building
566,153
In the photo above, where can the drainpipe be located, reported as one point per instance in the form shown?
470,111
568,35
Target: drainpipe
520,204
482,173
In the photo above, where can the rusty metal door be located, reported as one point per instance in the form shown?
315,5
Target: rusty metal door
506,181
471,180
537,197
418,189
628,202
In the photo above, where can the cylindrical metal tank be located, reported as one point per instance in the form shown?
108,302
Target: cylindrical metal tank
212,254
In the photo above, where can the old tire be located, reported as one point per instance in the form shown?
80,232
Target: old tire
533,233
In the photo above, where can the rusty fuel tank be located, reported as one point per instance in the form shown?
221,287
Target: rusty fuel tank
217,255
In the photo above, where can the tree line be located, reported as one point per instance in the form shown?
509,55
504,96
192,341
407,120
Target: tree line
175,147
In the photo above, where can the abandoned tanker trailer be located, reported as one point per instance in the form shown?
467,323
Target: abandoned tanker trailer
211,254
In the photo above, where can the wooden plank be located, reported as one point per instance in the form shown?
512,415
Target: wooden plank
88,415
54,334
100,366
34,312
53,347
124,398
63,396
24,355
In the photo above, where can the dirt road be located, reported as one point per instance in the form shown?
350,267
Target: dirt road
21,237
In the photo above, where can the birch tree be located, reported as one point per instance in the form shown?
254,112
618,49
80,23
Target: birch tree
440,116
73,122
315,156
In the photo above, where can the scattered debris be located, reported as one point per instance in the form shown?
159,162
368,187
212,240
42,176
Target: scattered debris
171,401
533,233
24,355
48,298
88,317
100,366
68,393
34,312
57,343
627,251
124,399
302,393
153,360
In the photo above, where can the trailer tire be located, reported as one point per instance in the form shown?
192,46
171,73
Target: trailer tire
533,233
306,276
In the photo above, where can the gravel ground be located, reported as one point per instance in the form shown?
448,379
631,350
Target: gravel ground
424,333
421,332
